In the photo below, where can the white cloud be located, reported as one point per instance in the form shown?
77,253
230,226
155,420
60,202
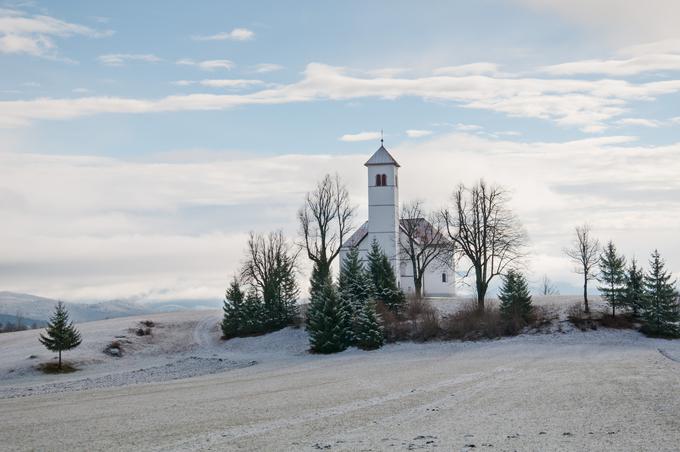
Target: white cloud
81,90
21,33
588,105
361,136
625,67
640,122
468,127
220,83
468,69
620,21
676,120
119,59
142,228
263,68
206,65
237,34
414,133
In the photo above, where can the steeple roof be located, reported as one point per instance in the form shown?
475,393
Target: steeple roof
382,157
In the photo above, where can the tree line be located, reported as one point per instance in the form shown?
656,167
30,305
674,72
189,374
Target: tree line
649,296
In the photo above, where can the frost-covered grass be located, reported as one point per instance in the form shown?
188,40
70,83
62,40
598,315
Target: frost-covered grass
555,389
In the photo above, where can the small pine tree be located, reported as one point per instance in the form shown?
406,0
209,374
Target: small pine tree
61,334
354,284
384,280
233,310
253,318
612,277
515,297
661,314
328,320
368,333
633,297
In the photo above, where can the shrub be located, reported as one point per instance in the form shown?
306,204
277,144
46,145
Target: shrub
471,324
579,318
394,328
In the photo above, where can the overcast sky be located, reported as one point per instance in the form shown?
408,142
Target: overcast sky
141,141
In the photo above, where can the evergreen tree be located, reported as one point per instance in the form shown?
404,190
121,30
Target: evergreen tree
328,319
612,277
515,298
61,334
634,291
660,312
233,310
253,319
368,333
354,284
384,280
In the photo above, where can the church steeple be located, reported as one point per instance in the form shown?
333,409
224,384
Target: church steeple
383,203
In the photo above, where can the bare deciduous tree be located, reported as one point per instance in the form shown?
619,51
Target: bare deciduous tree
422,242
585,253
485,232
547,287
325,221
270,265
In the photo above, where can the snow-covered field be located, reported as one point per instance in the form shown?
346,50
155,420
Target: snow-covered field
182,388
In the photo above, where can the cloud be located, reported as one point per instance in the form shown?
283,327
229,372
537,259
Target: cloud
620,21
263,68
468,69
361,136
675,120
206,65
625,67
35,35
640,122
237,34
119,59
121,228
220,83
468,127
413,133
584,104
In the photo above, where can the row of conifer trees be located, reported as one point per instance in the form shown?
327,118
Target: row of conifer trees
651,296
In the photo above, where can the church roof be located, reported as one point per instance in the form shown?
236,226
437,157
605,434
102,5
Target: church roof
424,230
381,157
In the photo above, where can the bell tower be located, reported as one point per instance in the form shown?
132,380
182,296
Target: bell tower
383,204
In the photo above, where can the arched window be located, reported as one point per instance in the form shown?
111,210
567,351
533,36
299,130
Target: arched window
443,277
384,180
378,180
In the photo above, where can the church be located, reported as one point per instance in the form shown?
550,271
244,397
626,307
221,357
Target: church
385,226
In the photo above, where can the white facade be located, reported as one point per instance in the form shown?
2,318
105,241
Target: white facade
384,226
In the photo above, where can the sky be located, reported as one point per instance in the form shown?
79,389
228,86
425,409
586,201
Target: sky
140,142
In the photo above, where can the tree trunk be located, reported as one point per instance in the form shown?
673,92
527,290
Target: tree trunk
481,294
419,289
59,367
585,296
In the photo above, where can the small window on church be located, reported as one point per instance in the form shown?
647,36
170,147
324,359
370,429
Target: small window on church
443,277
378,180
384,180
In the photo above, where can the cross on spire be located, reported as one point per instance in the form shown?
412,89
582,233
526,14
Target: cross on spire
381,137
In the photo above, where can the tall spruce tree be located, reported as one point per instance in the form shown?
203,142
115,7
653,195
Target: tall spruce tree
660,314
384,279
254,317
328,319
368,332
515,297
233,310
61,334
634,291
612,277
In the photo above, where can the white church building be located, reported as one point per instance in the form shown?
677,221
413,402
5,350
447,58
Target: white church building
385,226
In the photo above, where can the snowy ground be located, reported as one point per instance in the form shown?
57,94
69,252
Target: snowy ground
569,390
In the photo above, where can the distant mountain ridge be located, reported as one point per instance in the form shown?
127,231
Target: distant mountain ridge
40,309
